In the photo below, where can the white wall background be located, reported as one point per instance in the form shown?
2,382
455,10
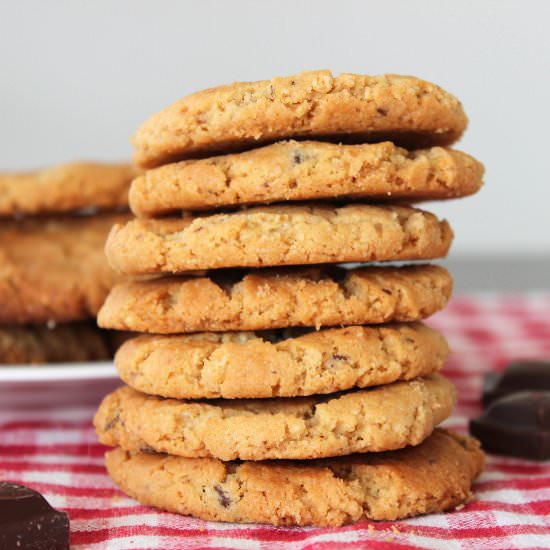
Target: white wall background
78,77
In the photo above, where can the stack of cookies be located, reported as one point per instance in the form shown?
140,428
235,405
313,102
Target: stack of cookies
53,273
274,384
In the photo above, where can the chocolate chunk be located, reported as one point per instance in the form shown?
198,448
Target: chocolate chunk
147,450
516,425
28,522
223,497
335,359
112,422
297,158
524,375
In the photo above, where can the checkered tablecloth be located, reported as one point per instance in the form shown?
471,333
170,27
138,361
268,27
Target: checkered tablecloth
56,452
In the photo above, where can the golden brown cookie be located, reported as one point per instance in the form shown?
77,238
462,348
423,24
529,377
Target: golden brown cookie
403,109
285,363
306,170
65,188
278,235
54,269
433,477
63,343
378,419
279,298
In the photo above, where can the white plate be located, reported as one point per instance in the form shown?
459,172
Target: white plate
56,385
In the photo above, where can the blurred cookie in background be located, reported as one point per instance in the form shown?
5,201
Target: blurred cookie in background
66,188
60,344
54,275
54,268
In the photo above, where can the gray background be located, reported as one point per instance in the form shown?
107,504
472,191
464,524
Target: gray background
79,77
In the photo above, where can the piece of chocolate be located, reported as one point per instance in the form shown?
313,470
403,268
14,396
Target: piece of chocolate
516,425
522,375
28,522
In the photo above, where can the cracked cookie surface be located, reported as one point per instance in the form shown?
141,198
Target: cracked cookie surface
280,298
306,170
433,477
54,269
283,363
403,109
277,235
65,188
382,418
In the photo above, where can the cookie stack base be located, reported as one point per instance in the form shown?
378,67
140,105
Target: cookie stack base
432,477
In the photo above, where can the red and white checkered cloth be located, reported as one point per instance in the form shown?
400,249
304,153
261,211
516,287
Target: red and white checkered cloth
57,454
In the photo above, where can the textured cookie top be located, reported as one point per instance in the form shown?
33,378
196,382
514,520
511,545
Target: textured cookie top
306,170
432,477
54,269
404,109
279,298
379,419
278,235
63,343
66,188
283,363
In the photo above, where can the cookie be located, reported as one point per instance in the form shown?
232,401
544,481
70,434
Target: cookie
277,235
432,477
63,343
378,419
54,269
277,298
65,188
285,363
306,170
403,109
